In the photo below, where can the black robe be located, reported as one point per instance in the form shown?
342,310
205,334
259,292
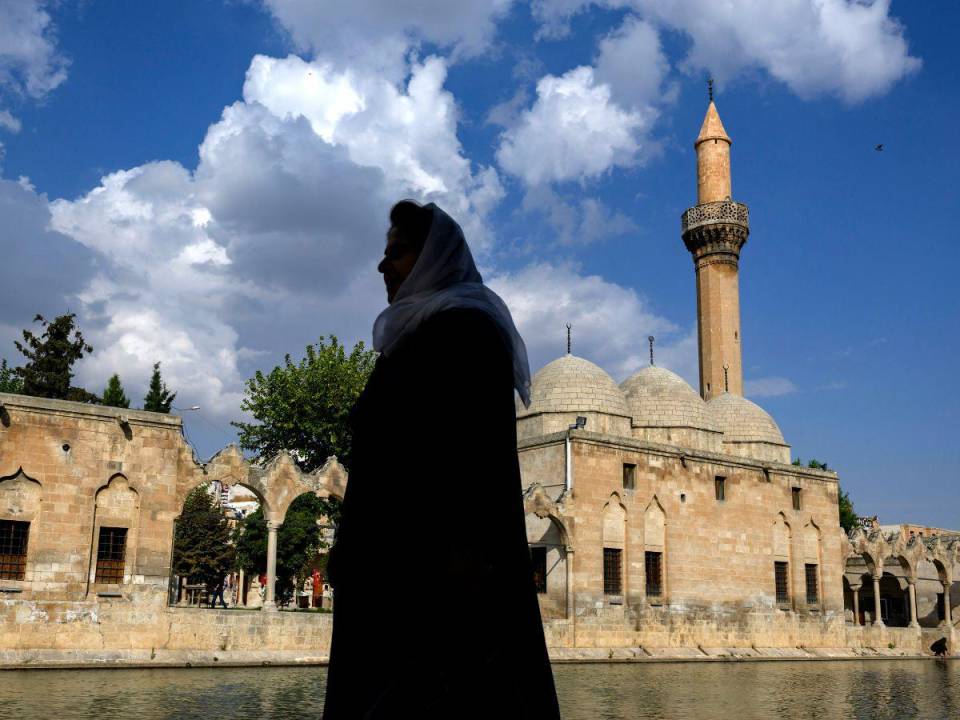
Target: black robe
435,608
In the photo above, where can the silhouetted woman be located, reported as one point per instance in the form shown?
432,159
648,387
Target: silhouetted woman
435,609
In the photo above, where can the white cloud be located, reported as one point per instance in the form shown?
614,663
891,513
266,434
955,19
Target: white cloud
377,34
853,49
631,61
610,323
273,240
768,387
29,62
8,122
574,131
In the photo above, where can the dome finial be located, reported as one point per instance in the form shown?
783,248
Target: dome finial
710,88
726,379
650,340
568,338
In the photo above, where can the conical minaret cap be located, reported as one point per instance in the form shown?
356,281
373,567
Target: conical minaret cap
712,128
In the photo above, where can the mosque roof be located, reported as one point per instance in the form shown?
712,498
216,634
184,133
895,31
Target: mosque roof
572,384
742,420
712,127
657,397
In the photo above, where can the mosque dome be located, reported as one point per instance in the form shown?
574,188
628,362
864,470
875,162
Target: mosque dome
742,420
571,384
657,397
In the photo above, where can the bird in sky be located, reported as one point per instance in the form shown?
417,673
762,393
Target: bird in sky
879,148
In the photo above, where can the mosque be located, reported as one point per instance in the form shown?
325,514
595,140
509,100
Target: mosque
660,515
662,521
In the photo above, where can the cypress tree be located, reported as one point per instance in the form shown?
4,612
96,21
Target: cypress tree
158,398
113,395
202,548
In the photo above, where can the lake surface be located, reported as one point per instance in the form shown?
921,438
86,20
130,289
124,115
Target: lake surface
695,691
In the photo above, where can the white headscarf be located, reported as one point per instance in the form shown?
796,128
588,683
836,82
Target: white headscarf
445,277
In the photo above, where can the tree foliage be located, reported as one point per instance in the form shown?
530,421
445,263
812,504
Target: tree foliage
298,541
202,548
848,518
158,398
9,381
50,358
303,407
113,394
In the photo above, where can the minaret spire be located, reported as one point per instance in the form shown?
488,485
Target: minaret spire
714,230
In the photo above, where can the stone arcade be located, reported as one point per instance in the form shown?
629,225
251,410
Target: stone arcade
662,521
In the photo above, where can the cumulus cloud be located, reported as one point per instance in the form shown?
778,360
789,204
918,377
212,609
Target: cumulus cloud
378,33
768,387
574,131
853,49
610,323
273,240
632,62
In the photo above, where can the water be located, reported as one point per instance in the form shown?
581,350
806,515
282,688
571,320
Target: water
865,690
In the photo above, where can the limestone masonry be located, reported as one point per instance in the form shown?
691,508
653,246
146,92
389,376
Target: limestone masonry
662,521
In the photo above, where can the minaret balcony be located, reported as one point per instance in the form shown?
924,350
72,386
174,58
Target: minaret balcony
723,212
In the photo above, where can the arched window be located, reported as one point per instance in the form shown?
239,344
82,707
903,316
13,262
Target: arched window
654,546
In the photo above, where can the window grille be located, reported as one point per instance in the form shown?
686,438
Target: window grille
720,486
796,498
813,596
653,563
110,555
783,586
539,557
629,476
611,571
13,549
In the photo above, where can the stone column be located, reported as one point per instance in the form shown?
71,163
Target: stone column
912,589
877,617
240,602
268,598
856,604
947,617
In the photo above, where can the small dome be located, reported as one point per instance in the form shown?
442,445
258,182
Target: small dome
657,397
571,384
742,420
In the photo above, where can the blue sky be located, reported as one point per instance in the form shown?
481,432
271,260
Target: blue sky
206,183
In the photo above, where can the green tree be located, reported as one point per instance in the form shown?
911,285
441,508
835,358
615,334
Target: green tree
202,550
113,395
848,518
303,407
250,539
50,358
298,541
9,382
158,398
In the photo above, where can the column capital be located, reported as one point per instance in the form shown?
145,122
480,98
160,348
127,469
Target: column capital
274,525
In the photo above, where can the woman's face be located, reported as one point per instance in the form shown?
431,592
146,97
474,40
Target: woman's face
398,260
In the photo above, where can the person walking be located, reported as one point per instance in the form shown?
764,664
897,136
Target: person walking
435,463
217,593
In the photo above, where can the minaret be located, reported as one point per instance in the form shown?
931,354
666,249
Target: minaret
714,230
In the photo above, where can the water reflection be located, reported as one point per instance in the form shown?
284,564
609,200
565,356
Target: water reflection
792,690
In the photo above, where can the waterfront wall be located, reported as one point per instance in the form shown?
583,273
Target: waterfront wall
141,630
